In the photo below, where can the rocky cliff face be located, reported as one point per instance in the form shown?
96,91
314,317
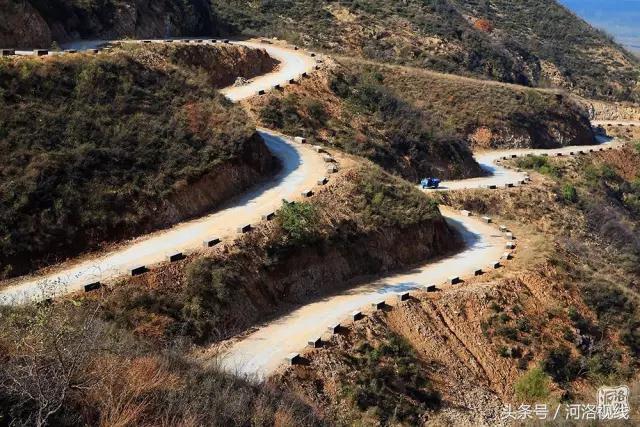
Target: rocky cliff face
37,23
222,65
254,164
21,25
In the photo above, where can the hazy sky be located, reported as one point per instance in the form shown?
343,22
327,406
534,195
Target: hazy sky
620,18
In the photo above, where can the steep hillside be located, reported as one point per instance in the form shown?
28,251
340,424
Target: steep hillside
361,115
125,355
99,148
561,322
37,23
418,123
364,222
531,42
485,114
72,368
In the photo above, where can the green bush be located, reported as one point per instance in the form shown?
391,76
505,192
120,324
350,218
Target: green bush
560,365
540,164
390,380
316,111
300,222
569,193
508,332
631,337
533,386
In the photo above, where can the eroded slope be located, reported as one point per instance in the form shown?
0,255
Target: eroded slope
100,148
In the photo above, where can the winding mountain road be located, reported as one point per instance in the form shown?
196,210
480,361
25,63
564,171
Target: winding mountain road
261,352
301,169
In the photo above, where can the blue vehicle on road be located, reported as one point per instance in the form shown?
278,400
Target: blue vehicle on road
430,183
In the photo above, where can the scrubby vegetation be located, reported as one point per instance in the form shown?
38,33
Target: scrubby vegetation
93,147
533,386
358,113
389,382
63,365
487,114
537,43
539,164
209,298
299,223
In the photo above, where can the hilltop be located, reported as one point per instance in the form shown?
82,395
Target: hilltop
530,42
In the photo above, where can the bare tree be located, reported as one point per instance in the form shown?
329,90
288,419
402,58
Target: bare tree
50,359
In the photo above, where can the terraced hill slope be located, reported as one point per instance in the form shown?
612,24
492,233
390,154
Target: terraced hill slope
531,42
100,148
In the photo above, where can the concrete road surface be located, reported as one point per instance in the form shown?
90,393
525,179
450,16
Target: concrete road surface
263,351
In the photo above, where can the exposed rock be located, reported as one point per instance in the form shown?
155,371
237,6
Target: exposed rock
31,24
21,26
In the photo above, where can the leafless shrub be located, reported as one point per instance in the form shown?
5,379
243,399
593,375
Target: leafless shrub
49,361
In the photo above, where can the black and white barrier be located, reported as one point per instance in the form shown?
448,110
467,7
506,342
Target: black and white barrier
431,288
453,280
315,342
307,193
137,270
323,181
269,216
92,286
378,305
356,315
465,213
210,242
403,296
335,328
175,256
495,264
300,140
244,228
487,219
293,359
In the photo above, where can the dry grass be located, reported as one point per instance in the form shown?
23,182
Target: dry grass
462,106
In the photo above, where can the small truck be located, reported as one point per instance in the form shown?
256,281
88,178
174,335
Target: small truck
430,183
